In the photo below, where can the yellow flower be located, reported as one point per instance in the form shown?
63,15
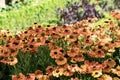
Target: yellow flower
107,77
58,72
96,74
116,78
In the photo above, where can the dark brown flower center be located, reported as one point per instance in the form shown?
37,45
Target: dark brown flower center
55,52
99,52
96,73
61,59
100,46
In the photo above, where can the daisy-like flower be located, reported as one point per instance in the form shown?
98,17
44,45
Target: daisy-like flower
38,74
54,35
74,78
79,58
116,78
49,70
45,77
96,74
58,72
98,53
67,72
84,31
116,70
66,32
110,62
93,66
20,76
75,43
15,43
87,41
106,39
105,77
30,76
117,43
4,51
56,53
83,69
107,69
115,14
34,25
71,38
73,68
9,60
51,45
61,61
73,51
84,23
75,33
92,19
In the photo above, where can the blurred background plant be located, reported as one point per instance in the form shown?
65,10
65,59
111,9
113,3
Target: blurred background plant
20,15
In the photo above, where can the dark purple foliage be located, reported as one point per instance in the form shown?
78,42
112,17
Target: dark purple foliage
71,13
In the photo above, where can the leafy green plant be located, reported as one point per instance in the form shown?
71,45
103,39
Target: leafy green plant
43,13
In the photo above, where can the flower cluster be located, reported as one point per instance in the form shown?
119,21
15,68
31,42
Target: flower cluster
115,14
73,48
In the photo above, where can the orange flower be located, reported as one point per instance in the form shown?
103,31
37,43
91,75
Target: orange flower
34,25
110,62
72,51
54,35
49,70
38,74
51,45
83,69
71,38
4,51
73,68
67,72
83,31
30,76
98,53
75,33
10,60
107,69
93,66
76,43
116,70
79,58
117,43
20,76
105,77
87,41
13,52
74,78
45,77
56,53
92,19
58,72
116,78
61,61
66,32
96,74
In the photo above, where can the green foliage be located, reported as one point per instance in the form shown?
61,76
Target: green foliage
28,63
43,13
